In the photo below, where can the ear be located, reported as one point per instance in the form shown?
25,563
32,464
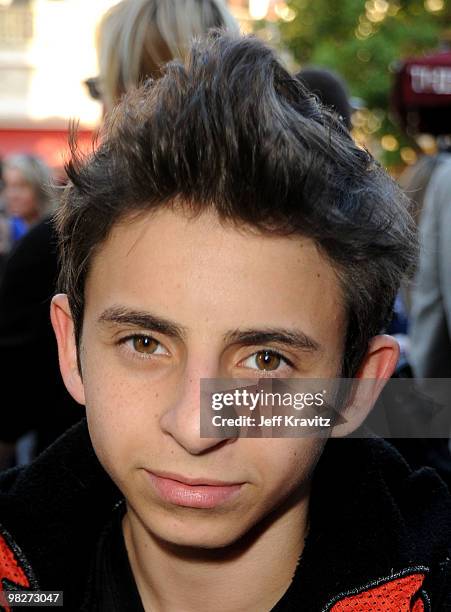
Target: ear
63,327
377,367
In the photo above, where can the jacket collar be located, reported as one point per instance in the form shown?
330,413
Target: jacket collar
371,518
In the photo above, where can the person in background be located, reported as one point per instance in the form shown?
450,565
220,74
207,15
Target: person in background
430,335
26,196
431,294
135,39
27,191
331,90
414,180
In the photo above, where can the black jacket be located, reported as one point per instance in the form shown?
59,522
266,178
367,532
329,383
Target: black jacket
33,394
379,534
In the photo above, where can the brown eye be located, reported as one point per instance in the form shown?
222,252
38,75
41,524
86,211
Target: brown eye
266,360
145,344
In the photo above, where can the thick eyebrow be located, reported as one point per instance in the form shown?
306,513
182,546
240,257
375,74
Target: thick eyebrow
291,338
120,315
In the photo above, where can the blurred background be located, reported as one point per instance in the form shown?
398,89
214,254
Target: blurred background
47,51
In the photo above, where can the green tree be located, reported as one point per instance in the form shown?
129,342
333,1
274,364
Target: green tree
363,41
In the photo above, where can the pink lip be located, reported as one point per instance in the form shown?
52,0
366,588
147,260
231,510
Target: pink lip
192,493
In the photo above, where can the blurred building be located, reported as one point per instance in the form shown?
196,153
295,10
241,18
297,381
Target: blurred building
47,51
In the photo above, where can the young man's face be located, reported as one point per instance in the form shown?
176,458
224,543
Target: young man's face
169,301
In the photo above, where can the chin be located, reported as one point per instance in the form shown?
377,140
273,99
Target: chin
199,532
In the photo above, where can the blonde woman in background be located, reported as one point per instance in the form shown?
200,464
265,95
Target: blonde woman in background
135,39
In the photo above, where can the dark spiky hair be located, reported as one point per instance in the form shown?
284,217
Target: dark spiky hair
231,130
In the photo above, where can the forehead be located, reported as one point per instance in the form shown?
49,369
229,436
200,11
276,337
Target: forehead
195,269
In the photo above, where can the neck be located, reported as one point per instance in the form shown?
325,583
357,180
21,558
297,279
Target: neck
248,576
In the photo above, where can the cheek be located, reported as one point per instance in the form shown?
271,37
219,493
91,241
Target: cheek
122,415
286,464
26,198
31,201
110,409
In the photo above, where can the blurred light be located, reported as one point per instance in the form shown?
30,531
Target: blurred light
258,9
367,121
389,142
381,5
434,5
376,10
427,143
362,140
393,10
393,67
364,55
358,118
364,30
375,16
266,34
408,156
373,123
284,12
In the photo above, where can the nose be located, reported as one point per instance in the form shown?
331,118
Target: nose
181,420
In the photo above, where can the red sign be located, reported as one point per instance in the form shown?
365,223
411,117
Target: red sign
422,93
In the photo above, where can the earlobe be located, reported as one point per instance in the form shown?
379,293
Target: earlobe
377,367
63,327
